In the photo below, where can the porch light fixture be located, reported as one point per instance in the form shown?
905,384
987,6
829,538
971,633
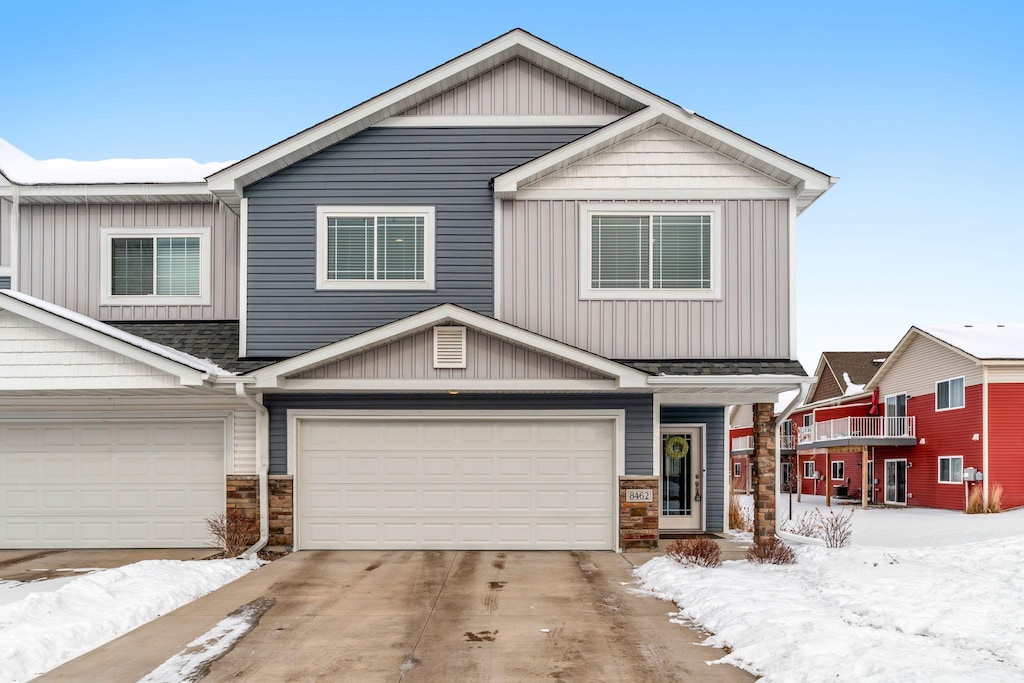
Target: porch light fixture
453,392
922,441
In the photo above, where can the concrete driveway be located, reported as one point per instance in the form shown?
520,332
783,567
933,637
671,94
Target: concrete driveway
36,565
428,616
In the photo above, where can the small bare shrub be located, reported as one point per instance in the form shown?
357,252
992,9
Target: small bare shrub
739,519
836,530
807,525
995,499
976,501
695,552
233,531
772,551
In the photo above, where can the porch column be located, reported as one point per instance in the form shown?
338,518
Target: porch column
864,478
764,471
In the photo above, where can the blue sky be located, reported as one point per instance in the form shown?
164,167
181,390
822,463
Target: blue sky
916,106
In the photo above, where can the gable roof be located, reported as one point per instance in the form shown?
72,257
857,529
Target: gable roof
216,340
856,366
229,182
190,369
988,344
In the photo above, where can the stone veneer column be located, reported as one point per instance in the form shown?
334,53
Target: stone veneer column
763,485
638,521
242,492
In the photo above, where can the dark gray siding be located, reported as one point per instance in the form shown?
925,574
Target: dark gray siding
448,168
639,415
5,282
714,482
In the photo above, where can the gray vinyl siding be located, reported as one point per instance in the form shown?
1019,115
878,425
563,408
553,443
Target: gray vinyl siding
5,282
59,256
713,418
449,168
639,415
540,287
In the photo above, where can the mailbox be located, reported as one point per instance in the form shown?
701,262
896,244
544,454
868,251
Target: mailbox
973,474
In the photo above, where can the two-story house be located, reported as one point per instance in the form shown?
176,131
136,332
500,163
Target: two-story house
502,305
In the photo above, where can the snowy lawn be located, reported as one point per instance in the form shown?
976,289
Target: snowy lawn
869,612
54,621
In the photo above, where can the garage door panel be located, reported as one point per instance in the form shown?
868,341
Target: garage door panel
456,483
118,484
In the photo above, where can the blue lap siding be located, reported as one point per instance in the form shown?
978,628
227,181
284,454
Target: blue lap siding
639,414
448,168
713,417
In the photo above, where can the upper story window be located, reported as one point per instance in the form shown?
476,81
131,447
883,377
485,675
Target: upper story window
644,251
375,247
155,266
809,420
949,394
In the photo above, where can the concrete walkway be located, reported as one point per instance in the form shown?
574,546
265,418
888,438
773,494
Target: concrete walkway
413,617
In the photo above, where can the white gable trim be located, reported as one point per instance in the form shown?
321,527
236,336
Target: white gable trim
492,121
274,376
186,375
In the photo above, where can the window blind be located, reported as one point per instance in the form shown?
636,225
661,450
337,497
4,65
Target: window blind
177,266
350,248
620,256
400,248
651,252
131,266
681,252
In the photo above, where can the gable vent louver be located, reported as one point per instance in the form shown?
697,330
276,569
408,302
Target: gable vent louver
449,347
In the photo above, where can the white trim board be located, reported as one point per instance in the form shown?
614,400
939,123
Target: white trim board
495,121
108,234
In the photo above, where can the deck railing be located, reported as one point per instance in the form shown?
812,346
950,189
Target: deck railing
859,427
741,443
787,442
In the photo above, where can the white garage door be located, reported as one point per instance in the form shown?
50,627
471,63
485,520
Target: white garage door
455,483
130,484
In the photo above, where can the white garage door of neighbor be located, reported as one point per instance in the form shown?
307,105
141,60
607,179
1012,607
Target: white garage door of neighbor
127,484
456,483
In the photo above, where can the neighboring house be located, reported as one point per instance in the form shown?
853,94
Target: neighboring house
502,305
946,399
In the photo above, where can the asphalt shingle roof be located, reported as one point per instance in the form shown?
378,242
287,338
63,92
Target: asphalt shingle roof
739,366
216,341
859,365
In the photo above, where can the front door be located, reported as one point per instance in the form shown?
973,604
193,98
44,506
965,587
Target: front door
682,479
896,482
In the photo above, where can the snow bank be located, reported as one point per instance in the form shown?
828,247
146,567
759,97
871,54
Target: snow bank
860,613
21,168
46,629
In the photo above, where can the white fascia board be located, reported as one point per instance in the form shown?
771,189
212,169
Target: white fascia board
507,183
447,385
154,190
272,376
659,194
493,121
690,398
188,376
716,381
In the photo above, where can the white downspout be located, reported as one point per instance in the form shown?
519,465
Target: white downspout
262,467
15,243
984,434
783,416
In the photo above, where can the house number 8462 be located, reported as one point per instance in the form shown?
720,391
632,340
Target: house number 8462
639,496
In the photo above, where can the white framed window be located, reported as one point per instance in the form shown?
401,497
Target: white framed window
951,469
650,251
949,394
808,469
809,420
155,266
736,469
838,469
375,247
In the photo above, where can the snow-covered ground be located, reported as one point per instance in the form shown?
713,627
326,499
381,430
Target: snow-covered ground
51,622
888,608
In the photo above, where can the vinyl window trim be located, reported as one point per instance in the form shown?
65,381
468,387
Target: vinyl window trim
842,470
589,210
109,234
938,473
736,470
427,213
808,469
963,396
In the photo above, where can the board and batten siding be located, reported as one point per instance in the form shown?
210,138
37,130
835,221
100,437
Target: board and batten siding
923,363
656,158
540,286
516,87
448,168
413,358
639,410
60,246
713,419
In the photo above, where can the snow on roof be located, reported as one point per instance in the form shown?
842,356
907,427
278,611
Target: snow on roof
984,342
20,168
144,344
851,388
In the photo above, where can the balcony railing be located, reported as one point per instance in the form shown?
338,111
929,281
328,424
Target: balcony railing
742,443
787,442
859,428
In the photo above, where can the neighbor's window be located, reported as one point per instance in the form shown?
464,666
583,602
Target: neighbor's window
809,420
949,394
736,469
951,468
375,247
155,265
838,468
808,469
657,253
